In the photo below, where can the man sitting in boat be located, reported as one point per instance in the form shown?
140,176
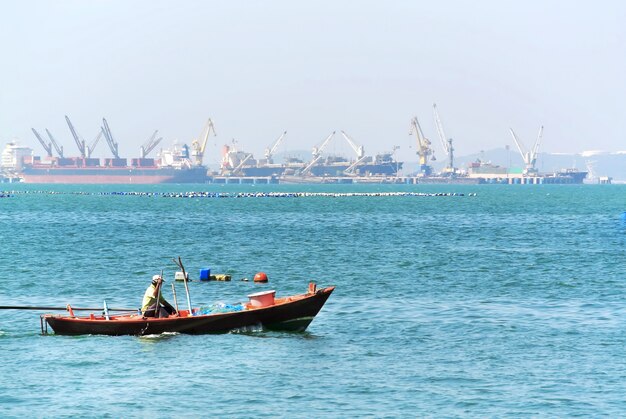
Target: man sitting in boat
149,305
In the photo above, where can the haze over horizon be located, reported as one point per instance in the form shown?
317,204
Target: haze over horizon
260,68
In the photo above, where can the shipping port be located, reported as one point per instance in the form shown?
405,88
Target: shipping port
182,163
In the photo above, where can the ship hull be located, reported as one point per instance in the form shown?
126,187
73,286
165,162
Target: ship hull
385,169
263,171
114,175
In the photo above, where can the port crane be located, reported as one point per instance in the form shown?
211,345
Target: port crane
445,142
80,143
424,151
269,152
317,154
149,145
529,157
360,154
85,150
317,151
57,147
591,169
46,146
198,147
358,149
93,144
109,137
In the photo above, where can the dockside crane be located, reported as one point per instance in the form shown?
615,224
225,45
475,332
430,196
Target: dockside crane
529,157
317,154
80,143
269,152
109,137
57,147
424,151
149,145
358,149
46,146
445,142
360,154
198,146
93,144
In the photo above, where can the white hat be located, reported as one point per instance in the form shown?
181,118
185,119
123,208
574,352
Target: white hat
156,277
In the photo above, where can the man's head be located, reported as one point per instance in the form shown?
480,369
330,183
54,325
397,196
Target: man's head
155,279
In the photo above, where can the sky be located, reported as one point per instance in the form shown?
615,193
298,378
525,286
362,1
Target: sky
258,68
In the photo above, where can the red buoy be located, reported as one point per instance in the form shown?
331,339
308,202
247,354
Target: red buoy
260,277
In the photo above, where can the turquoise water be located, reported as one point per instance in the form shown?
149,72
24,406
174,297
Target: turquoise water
505,304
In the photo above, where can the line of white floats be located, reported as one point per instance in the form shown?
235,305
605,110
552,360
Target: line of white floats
250,194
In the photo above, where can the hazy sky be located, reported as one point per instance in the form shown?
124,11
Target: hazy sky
258,68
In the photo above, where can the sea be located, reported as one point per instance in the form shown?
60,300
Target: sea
450,301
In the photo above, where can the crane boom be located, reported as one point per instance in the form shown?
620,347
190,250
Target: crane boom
317,151
518,143
242,162
445,142
537,142
79,142
150,143
198,147
309,166
529,157
57,147
442,135
352,168
94,143
269,152
46,146
358,149
109,137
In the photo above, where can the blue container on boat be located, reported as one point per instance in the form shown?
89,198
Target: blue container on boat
205,274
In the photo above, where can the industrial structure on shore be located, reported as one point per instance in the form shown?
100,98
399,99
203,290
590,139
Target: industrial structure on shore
479,171
182,163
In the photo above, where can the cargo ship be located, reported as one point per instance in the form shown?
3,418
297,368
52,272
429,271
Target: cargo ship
174,166
178,164
240,163
244,164
380,165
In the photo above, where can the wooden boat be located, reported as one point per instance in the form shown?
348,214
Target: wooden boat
292,313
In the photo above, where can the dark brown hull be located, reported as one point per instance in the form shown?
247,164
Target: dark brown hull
289,313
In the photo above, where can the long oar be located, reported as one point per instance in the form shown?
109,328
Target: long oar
62,308
179,262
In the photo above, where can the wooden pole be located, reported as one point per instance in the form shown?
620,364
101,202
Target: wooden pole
106,310
157,307
175,299
179,262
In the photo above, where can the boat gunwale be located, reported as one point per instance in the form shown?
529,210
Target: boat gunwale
137,320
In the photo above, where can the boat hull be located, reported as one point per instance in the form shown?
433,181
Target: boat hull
289,313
